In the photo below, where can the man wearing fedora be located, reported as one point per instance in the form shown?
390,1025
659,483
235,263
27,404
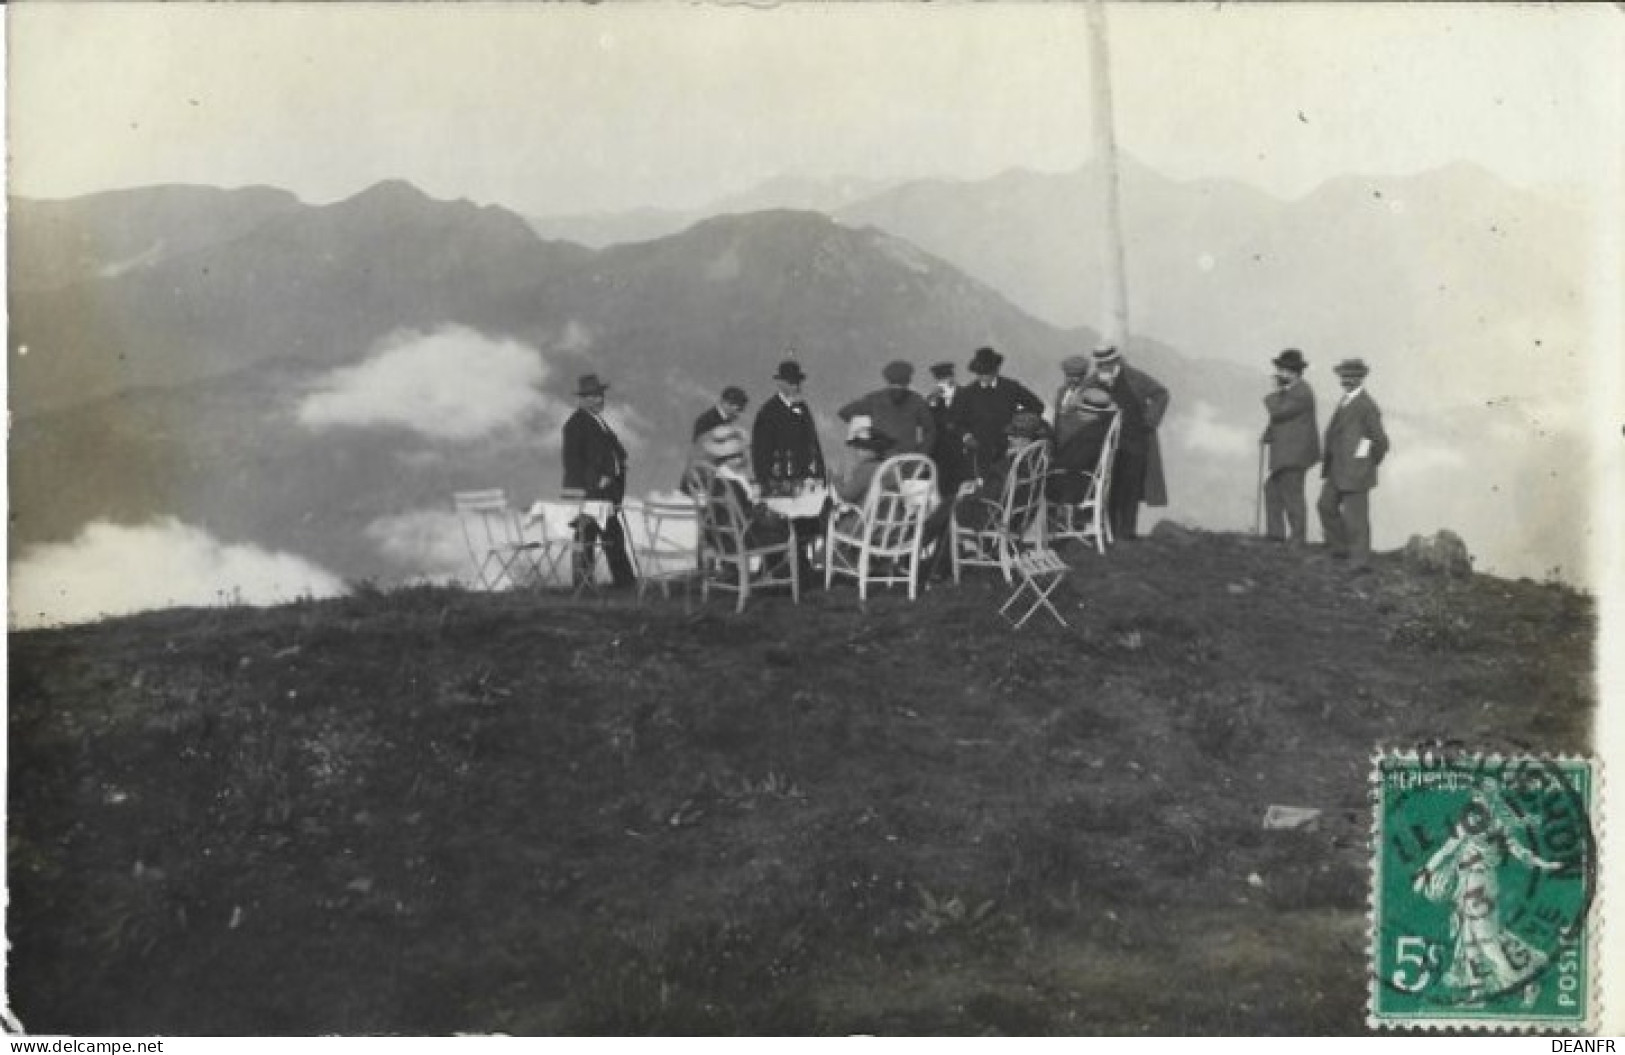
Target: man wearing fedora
1137,468
1293,439
989,404
785,451
897,411
1355,445
595,465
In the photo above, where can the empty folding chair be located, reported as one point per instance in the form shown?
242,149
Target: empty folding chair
501,553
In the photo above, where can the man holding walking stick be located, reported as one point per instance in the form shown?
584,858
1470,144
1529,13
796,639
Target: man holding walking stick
1293,440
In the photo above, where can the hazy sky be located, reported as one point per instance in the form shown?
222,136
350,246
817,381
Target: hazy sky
561,108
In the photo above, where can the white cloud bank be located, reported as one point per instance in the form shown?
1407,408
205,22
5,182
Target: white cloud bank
451,384
111,569
1204,431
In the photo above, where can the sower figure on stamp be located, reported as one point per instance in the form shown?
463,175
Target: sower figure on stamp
595,465
1293,439
1355,445
1137,469
1486,956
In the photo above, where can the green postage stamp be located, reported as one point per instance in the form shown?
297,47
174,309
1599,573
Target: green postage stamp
1483,873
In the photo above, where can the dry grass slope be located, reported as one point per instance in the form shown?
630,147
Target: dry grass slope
431,811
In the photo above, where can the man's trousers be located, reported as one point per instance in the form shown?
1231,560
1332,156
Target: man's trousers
1127,490
1345,517
1286,514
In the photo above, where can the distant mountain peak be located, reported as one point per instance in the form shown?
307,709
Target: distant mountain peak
390,192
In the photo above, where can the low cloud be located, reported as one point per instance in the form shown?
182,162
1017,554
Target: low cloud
111,569
1202,431
452,384
426,543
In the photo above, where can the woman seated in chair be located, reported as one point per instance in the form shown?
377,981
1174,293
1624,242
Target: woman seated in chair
724,448
979,502
1080,433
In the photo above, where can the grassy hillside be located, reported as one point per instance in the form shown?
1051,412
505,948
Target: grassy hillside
435,811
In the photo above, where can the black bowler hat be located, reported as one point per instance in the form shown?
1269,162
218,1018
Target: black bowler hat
1291,359
941,371
790,371
986,361
589,385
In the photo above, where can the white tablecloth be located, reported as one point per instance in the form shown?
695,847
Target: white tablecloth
809,503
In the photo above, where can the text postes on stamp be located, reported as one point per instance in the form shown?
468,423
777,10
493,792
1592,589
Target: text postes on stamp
1483,874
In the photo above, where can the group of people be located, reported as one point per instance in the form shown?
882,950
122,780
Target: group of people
1355,445
970,431
973,431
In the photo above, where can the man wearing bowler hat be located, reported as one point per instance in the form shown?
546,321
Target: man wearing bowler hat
785,451
1293,439
595,465
990,402
1137,468
1355,445
896,411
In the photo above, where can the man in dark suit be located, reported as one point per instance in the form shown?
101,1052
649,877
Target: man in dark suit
784,448
990,402
1355,445
785,452
595,466
1293,439
726,412
1137,469
948,413
896,411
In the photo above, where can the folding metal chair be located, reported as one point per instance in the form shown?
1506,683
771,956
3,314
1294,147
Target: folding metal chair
1039,572
497,546
671,546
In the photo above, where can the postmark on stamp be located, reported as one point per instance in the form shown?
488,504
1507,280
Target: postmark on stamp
1483,876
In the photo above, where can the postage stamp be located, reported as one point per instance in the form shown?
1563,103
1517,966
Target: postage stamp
1484,871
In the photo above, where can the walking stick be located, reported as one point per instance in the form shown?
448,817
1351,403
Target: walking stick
1258,516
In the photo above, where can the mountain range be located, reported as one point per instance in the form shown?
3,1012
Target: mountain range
292,376
1449,281
318,379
